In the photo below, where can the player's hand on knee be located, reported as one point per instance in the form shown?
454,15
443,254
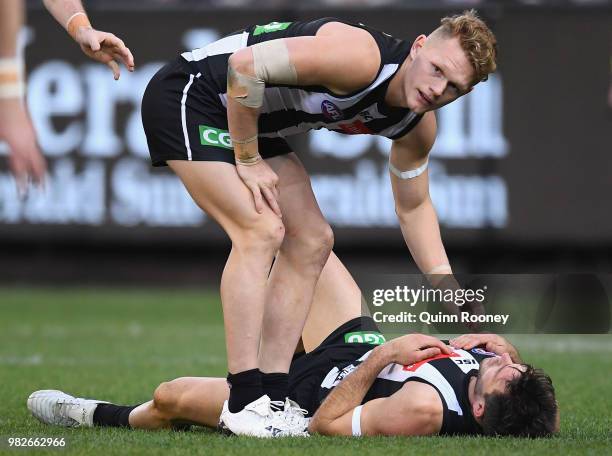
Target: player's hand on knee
105,48
263,183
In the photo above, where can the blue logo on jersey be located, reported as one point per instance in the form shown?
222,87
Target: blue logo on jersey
331,111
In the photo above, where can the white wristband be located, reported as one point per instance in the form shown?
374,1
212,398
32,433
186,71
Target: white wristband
356,421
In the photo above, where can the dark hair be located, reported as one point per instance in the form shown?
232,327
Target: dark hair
527,408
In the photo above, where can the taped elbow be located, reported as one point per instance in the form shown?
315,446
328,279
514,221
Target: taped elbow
244,88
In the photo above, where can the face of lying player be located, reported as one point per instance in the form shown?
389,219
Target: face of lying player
439,73
494,375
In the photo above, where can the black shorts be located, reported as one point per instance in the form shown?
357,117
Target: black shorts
346,344
184,119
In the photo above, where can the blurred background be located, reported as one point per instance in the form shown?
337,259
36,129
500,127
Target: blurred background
520,172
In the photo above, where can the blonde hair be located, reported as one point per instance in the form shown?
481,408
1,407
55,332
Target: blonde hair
476,39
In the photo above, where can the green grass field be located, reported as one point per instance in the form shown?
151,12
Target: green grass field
118,345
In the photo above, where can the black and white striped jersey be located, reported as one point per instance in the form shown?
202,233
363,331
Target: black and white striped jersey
288,110
448,374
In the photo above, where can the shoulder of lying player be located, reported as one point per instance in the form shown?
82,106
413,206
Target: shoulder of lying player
416,409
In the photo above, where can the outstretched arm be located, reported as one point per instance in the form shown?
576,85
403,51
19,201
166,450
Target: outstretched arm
335,415
101,46
415,211
413,205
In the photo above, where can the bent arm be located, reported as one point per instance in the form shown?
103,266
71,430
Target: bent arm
310,60
335,415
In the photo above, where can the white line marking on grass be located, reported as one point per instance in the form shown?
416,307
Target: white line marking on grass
33,360
38,359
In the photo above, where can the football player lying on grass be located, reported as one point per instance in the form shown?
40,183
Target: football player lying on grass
412,385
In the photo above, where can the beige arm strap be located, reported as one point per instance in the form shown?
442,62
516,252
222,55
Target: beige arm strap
271,63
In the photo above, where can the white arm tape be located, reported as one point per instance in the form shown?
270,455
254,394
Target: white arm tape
410,174
13,90
440,269
356,422
80,13
272,62
11,65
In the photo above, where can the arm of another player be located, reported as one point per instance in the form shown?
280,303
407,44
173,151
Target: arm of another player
417,216
335,415
300,61
101,46
25,160
491,342
413,205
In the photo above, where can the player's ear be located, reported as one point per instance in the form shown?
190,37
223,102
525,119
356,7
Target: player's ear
478,407
417,45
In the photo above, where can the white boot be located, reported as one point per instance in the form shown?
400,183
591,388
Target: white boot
261,418
60,409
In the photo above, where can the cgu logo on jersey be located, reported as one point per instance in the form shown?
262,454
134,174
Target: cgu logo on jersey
211,136
331,111
271,27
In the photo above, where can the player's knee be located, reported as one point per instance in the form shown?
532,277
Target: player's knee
166,397
324,240
267,234
314,242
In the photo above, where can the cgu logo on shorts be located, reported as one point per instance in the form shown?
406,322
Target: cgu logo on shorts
211,136
331,111
364,337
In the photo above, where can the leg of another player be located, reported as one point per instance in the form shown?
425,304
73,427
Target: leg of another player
218,190
193,400
307,243
337,299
